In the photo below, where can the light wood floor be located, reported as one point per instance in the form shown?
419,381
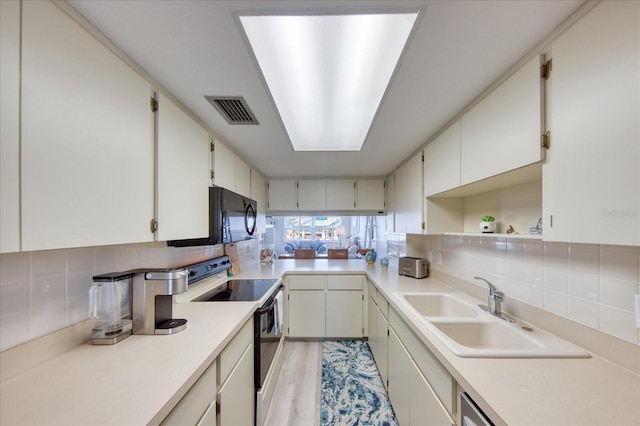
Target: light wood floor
296,398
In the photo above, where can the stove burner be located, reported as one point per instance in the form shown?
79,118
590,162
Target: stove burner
238,291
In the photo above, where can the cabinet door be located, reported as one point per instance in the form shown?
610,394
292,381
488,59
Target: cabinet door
242,177
391,203
9,126
382,337
503,131
307,313
414,194
371,194
400,372
282,194
442,162
401,200
209,417
224,166
591,178
372,326
312,194
344,314
87,138
340,194
237,394
259,194
182,152
426,409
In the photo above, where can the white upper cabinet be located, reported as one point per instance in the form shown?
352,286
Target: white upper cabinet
409,196
224,166
340,194
334,195
87,138
442,162
230,171
242,178
391,203
503,131
312,194
182,152
281,194
371,194
591,178
9,126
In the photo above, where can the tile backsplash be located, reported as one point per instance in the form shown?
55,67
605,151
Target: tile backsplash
44,291
590,284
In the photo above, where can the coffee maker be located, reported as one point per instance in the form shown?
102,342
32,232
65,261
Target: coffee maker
153,291
110,299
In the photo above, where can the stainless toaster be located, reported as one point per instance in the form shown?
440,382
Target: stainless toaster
415,267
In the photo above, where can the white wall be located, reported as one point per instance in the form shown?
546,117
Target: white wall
44,291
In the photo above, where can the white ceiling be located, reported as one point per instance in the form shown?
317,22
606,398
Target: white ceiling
458,48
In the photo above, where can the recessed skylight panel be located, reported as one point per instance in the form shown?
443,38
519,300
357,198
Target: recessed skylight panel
328,73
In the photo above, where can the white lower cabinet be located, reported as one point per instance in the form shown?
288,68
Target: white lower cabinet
400,371
307,313
381,355
344,314
421,390
236,395
413,399
426,408
224,394
372,324
198,406
326,306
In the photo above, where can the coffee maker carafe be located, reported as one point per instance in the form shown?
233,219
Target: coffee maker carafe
110,307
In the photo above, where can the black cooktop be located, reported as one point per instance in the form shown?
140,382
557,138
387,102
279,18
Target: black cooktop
238,291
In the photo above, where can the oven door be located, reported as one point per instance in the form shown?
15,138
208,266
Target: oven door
268,333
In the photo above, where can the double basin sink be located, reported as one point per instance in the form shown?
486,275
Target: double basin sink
468,331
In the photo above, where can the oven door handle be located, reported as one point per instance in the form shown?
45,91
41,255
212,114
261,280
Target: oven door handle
272,302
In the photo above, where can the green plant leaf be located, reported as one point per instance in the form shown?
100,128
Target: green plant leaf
487,219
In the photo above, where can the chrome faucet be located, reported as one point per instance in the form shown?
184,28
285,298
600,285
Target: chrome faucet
494,300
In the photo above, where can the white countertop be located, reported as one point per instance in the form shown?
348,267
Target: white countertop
139,380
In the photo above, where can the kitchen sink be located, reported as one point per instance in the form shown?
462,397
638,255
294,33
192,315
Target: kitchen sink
439,305
457,321
486,335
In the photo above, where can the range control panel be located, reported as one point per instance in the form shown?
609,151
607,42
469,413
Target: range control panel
207,268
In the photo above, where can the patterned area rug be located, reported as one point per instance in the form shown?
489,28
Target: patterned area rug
352,391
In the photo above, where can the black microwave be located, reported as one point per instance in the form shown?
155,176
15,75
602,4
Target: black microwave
232,218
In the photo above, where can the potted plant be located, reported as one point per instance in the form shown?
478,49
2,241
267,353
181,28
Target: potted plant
488,224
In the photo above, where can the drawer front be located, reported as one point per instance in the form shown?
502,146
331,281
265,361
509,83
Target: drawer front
345,282
373,291
195,403
234,350
307,282
438,377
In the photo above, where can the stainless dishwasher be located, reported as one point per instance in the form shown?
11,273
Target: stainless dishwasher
471,414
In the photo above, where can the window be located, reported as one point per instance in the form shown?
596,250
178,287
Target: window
312,228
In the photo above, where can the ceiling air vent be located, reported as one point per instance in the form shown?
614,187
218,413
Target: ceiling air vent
234,109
